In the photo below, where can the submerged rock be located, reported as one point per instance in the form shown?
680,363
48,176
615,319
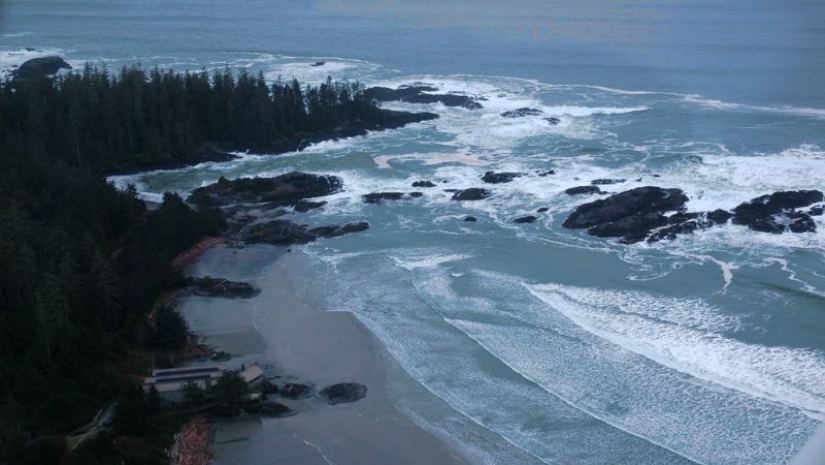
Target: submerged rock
343,392
525,219
473,193
498,178
552,120
423,184
470,219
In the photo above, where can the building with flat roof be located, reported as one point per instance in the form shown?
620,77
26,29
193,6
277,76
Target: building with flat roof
170,382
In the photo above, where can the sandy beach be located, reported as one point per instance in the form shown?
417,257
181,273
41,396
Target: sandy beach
301,343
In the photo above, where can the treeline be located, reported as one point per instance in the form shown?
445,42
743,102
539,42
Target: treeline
139,118
81,262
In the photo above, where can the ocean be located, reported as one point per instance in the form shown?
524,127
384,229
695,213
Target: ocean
543,342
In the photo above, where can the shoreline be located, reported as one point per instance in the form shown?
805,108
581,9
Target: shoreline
300,343
383,120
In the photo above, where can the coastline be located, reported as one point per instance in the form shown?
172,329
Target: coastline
301,343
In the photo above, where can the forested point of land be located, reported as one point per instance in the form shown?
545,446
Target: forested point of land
82,263
137,118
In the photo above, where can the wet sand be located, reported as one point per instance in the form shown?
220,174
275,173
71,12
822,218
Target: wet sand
297,341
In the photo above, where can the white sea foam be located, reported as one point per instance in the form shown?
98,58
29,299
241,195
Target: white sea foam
730,106
688,336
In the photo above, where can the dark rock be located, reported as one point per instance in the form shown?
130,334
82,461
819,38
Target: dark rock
275,410
377,197
318,63
419,94
497,178
776,213
681,217
632,228
343,392
631,214
800,222
220,287
719,216
423,184
473,193
284,232
284,190
546,173
553,120
416,195
305,205
816,211
451,191
296,390
525,219
470,219
605,182
40,67
521,112
543,210
582,190
335,231
638,201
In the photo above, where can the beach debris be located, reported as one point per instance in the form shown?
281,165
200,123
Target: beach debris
343,392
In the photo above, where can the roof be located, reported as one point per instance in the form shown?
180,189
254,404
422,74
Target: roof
252,373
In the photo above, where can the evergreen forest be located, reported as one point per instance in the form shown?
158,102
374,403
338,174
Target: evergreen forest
82,263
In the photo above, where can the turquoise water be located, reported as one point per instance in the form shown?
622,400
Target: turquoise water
545,343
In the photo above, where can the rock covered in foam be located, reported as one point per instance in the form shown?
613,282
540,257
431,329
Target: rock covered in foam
777,213
473,193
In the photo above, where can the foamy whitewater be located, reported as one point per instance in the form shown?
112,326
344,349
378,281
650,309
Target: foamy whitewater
548,346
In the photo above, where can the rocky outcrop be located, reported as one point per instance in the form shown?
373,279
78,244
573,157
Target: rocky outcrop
470,219
343,392
631,215
285,232
521,113
777,213
525,219
473,193
40,67
220,287
377,197
295,390
498,178
423,184
284,190
420,94
275,410
605,182
583,190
